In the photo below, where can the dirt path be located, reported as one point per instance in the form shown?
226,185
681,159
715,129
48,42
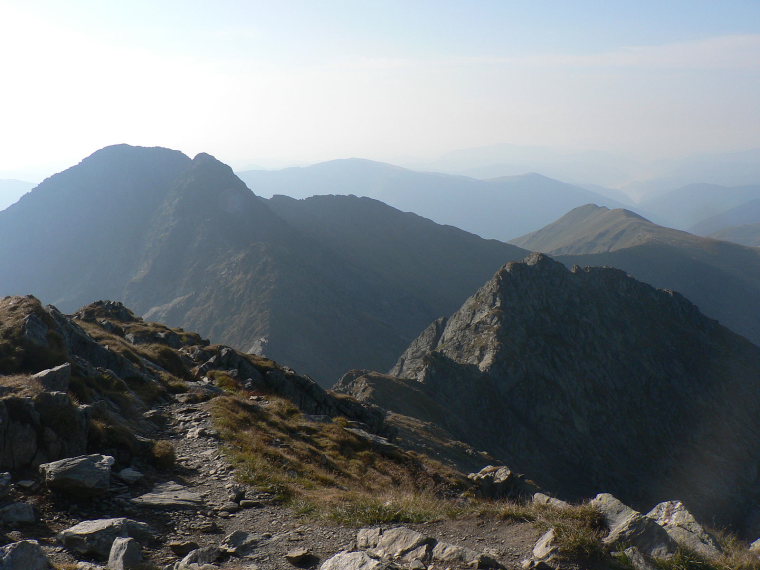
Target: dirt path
203,469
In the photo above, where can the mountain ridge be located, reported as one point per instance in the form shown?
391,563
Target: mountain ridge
527,369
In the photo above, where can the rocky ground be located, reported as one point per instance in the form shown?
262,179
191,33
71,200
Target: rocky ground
209,504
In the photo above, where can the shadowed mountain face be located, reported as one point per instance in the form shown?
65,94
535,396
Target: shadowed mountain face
588,380
501,208
722,278
323,285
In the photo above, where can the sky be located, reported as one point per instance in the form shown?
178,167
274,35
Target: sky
293,82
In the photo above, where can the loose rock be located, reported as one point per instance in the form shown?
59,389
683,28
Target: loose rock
125,554
86,475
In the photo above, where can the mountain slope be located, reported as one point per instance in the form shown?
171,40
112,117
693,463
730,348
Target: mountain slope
746,234
721,278
589,379
185,241
747,213
501,208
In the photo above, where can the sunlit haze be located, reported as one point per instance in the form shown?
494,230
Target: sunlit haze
273,84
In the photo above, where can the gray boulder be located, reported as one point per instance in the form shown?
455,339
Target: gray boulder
631,528
23,555
125,554
452,555
55,379
355,561
16,513
400,543
97,536
86,475
682,527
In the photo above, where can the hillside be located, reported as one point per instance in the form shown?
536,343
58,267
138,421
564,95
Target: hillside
186,242
721,278
746,213
746,234
689,205
589,379
500,208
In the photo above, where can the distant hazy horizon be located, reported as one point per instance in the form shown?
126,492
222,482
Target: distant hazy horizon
296,82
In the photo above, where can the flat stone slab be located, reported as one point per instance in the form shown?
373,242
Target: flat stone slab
170,495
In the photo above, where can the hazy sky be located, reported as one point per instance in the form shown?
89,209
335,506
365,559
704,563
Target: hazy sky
282,82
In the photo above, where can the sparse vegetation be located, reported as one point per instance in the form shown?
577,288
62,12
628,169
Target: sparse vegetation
163,454
323,470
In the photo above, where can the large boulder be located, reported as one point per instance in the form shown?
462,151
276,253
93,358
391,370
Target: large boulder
630,528
682,527
409,546
96,536
23,555
355,561
55,379
125,554
86,475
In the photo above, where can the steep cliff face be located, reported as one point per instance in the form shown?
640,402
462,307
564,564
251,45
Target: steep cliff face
587,379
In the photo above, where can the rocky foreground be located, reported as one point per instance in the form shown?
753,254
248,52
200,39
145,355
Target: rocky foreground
123,446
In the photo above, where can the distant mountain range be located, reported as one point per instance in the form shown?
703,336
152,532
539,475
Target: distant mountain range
691,206
12,190
745,234
587,379
502,208
587,168
721,278
323,285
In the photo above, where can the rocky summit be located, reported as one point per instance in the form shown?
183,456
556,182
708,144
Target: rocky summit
587,379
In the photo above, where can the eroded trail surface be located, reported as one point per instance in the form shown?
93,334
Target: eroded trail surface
200,504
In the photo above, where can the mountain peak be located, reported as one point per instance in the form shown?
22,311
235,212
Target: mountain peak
530,366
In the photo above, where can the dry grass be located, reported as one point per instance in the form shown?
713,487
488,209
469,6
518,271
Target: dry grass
163,454
324,470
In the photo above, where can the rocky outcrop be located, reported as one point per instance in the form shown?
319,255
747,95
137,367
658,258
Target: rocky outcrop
683,528
409,547
630,528
588,379
500,482
42,428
